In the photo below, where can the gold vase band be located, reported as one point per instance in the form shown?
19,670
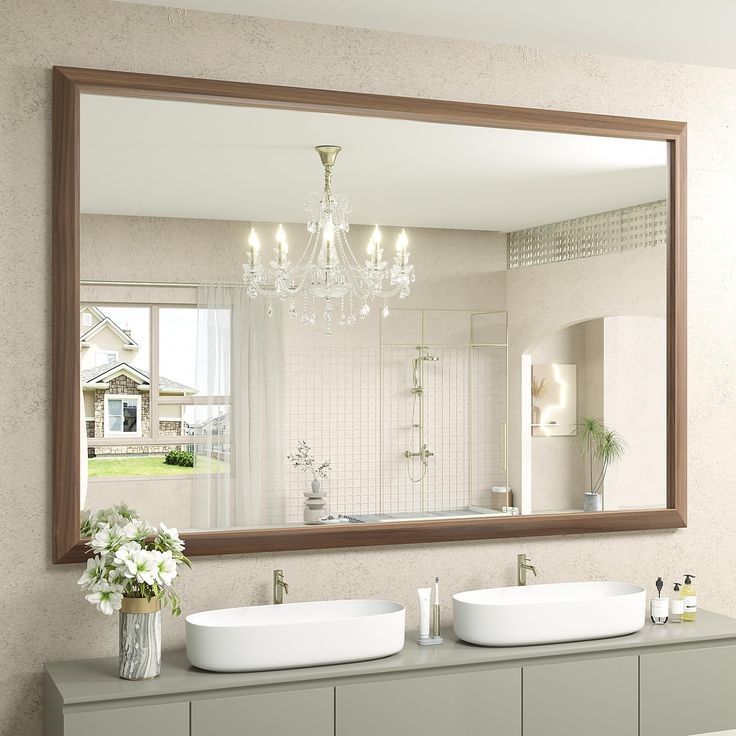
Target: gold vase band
140,605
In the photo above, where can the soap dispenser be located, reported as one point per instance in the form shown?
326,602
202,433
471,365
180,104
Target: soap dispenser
690,599
677,607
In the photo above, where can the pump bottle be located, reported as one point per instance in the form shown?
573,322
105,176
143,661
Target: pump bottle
690,599
678,605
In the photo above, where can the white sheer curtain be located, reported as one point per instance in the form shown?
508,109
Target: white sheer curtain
240,370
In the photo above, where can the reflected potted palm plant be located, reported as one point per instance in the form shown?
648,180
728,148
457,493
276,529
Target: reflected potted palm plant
602,446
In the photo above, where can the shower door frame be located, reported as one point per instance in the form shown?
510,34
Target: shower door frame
69,83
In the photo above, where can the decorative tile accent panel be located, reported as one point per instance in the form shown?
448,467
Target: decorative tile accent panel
641,226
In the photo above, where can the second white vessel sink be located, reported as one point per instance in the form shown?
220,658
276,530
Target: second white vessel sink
294,635
544,614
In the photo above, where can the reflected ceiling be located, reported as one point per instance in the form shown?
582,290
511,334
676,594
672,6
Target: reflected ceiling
178,159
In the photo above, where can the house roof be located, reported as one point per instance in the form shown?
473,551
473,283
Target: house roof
94,311
107,371
128,341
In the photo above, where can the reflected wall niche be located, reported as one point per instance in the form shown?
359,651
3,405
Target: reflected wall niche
521,319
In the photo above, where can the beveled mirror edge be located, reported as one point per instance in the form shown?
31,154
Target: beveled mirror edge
69,83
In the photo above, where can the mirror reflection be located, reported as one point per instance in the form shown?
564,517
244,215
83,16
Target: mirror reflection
461,322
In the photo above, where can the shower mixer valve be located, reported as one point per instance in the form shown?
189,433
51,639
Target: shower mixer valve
424,453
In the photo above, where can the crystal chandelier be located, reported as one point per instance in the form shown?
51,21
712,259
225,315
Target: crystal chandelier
328,273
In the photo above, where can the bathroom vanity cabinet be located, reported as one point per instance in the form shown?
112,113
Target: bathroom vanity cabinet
673,679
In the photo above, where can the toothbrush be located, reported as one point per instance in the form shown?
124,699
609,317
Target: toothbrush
436,611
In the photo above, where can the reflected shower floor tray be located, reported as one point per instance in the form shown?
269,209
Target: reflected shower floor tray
468,512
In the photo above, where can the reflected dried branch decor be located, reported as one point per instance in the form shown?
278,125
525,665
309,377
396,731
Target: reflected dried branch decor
302,459
538,387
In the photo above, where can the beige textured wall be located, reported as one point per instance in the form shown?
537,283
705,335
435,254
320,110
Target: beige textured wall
635,350
545,298
42,615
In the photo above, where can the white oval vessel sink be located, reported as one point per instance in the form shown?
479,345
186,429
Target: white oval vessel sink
294,635
544,614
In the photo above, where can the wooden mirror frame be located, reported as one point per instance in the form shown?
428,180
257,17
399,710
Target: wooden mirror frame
69,83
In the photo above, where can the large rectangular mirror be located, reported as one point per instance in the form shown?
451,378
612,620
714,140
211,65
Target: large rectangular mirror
292,318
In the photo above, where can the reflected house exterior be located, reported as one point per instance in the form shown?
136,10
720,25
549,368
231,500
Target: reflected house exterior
117,393
214,434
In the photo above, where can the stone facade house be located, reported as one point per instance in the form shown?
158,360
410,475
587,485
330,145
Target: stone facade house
116,393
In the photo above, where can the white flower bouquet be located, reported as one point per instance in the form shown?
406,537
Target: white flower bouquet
132,559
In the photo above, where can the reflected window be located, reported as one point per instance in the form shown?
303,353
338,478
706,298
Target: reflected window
121,415
133,428
106,356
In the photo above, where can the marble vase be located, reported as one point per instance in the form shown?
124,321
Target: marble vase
140,639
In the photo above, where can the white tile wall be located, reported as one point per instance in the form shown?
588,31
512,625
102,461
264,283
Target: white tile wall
331,399
447,418
399,493
353,405
488,422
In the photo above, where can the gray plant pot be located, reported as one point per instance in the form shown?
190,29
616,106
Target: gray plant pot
592,501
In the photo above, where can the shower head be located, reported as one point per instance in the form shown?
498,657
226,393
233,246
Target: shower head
424,353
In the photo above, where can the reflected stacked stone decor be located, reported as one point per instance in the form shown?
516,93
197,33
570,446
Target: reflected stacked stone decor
315,506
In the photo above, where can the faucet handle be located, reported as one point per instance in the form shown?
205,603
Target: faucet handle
278,578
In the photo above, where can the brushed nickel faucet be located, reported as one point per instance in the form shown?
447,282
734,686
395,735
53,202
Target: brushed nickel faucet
523,563
280,586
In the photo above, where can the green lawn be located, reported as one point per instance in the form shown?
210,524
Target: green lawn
130,467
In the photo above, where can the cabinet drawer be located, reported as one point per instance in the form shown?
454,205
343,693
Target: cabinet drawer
688,692
466,704
302,712
144,719
587,696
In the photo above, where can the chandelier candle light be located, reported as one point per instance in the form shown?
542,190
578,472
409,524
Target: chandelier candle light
328,270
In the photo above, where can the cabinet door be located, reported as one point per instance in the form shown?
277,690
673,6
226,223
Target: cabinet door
143,719
302,712
688,692
466,704
587,696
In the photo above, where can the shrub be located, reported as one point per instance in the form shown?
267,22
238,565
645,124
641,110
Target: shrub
179,457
